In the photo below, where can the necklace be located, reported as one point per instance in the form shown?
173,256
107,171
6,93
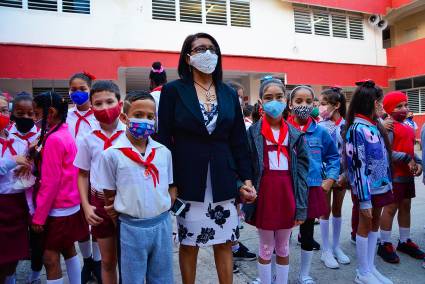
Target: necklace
209,96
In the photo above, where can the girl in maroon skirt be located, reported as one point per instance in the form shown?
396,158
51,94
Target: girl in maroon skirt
322,151
57,213
280,161
13,206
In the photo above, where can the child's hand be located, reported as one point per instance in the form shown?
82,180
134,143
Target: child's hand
248,194
173,194
412,166
327,184
37,228
418,170
111,212
21,161
388,124
91,216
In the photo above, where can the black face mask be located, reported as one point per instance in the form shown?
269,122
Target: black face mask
23,124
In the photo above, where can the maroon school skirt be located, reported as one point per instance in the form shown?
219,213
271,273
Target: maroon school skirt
105,229
317,202
378,200
276,201
14,219
403,191
62,232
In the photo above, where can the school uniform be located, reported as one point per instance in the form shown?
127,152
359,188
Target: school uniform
30,137
141,183
14,243
58,199
90,148
80,123
156,94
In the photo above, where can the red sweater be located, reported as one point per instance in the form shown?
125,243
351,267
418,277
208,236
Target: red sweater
404,141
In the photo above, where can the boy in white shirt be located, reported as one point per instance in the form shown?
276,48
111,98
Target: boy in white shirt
137,179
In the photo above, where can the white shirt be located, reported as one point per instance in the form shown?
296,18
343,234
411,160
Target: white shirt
90,148
31,139
283,161
136,195
84,129
156,94
7,165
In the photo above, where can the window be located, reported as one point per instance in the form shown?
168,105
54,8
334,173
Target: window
11,3
216,12
164,10
191,11
403,84
327,22
64,92
419,82
240,13
45,5
76,6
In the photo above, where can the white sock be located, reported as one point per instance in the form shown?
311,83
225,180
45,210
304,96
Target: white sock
11,279
404,234
385,236
306,257
56,281
96,251
265,273
85,248
73,268
324,229
35,275
362,254
235,248
282,272
336,230
372,238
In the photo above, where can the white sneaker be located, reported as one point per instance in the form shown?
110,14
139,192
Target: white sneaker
380,277
305,280
329,260
340,256
366,279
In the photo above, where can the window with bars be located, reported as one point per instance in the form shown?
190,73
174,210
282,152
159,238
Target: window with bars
76,6
191,11
240,13
164,10
45,5
11,3
416,100
216,12
328,22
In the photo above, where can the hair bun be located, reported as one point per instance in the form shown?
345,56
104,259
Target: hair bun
368,83
91,76
336,88
157,67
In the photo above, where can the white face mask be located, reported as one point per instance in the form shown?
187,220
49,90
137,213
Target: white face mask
204,62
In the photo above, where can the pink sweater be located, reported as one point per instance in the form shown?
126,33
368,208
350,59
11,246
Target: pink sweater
58,185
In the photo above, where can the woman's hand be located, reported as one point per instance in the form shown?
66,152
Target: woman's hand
37,228
327,184
91,216
366,213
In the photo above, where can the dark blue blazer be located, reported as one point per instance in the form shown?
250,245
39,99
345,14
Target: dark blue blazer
182,130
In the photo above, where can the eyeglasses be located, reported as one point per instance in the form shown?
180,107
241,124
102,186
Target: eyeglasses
203,49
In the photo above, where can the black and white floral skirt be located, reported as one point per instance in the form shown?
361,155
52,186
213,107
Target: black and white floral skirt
206,223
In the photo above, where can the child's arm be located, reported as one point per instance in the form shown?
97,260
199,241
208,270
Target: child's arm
109,204
107,170
330,157
83,188
8,164
172,190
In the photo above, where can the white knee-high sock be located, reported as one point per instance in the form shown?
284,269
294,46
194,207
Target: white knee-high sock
372,238
385,236
324,230
11,279
85,248
336,231
306,257
362,254
282,272
96,251
73,268
265,273
404,234
56,281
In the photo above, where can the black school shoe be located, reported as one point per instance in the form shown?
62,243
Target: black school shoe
387,252
86,271
411,249
243,253
235,268
97,271
316,245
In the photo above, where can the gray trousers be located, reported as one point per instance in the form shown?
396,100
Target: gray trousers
145,250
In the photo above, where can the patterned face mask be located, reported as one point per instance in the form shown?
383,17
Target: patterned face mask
141,128
303,112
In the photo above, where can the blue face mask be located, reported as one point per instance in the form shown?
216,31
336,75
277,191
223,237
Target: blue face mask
141,127
274,108
79,97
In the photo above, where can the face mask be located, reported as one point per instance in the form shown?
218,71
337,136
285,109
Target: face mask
274,108
79,97
23,124
108,115
315,112
141,128
325,113
303,112
399,116
204,62
4,121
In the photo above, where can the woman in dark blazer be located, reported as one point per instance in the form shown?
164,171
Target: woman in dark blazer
200,121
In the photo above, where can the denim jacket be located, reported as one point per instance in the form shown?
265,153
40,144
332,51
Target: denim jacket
323,151
299,168
367,161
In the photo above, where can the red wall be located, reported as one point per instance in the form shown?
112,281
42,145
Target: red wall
420,121
366,6
408,59
41,62
399,3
